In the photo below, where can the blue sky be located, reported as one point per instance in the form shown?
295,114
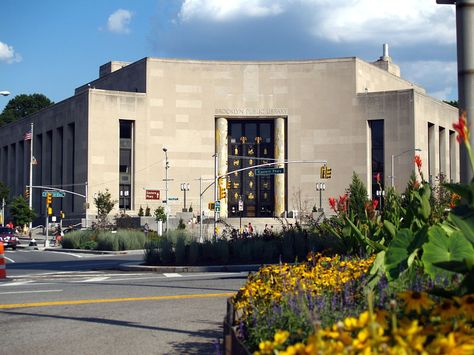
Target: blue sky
54,46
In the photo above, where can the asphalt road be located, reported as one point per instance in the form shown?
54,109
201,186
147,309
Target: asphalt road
66,307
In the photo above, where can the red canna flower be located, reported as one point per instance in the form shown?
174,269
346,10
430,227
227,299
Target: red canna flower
416,184
377,178
375,203
461,128
417,161
332,203
342,203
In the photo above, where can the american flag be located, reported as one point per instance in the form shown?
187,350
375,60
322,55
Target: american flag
27,136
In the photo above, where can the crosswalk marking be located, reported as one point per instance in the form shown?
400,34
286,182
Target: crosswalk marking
173,275
94,279
17,283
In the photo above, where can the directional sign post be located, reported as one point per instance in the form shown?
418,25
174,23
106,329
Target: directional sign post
269,171
53,193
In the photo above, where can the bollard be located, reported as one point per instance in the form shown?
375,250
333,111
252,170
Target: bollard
3,271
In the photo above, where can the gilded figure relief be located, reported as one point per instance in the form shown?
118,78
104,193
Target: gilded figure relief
251,173
236,196
265,195
236,163
251,184
258,140
251,196
251,162
236,185
236,151
265,151
251,151
243,139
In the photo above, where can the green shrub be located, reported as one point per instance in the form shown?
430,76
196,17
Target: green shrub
194,253
165,249
288,252
180,251
152,256
181,224
222,252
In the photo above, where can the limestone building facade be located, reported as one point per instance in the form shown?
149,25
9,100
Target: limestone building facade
357,116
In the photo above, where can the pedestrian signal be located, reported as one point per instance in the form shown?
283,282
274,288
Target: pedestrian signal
61,214
50,211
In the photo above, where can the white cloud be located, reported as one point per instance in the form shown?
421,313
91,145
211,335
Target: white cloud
8,54
118,22
219,10
442,85
397,22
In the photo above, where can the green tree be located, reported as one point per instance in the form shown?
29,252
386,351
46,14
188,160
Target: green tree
21,212
160,214
4,192
452,103
104,204
357,198
23,105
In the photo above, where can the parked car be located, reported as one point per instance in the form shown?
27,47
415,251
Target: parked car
8,237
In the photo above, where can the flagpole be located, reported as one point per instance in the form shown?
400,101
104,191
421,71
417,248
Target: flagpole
30,201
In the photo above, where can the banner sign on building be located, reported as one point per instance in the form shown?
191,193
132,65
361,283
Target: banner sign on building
152,194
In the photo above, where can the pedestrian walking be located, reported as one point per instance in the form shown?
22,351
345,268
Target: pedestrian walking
250,229
146,229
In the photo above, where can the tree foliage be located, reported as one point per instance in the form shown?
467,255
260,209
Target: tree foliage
23,105
160,214
4,192
21,212
357,197
452,103
104,203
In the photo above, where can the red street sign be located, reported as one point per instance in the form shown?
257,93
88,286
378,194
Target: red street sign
152,194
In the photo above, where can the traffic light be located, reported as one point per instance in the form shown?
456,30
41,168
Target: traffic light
27,192
222,193
49,199
322,172
61,214
50,211
328,173
211,206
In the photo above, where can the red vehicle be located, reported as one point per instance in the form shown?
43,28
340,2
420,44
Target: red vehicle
8,237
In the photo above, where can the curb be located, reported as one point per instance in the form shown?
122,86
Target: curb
98,252
164,269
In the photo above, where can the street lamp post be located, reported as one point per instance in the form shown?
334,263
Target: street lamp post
4,93
184,188
320,186
392,163
166,184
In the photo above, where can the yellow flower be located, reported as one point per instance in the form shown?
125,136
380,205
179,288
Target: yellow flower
280,337
446,310
266,348
466,304
416,301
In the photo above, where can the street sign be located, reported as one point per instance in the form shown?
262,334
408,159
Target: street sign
172,198
152,194
269,171
53,193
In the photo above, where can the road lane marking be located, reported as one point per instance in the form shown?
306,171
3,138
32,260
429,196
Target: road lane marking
94,279
36,291
18,283
171,274
10,260
113,300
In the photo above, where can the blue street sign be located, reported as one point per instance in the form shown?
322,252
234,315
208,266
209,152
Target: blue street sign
269,171
53,193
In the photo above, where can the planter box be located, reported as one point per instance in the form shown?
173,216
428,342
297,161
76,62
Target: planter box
232,343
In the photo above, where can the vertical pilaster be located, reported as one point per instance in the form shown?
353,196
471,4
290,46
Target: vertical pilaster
222,153
280,157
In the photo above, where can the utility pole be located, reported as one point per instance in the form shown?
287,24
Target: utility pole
465,54
30,200
215,190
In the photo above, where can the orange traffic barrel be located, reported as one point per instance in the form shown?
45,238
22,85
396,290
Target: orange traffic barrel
3,271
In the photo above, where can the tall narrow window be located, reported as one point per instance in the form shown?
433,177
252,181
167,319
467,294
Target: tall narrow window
452,156
125,165
377,153
442,153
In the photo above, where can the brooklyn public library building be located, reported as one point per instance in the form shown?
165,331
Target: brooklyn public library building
119,131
